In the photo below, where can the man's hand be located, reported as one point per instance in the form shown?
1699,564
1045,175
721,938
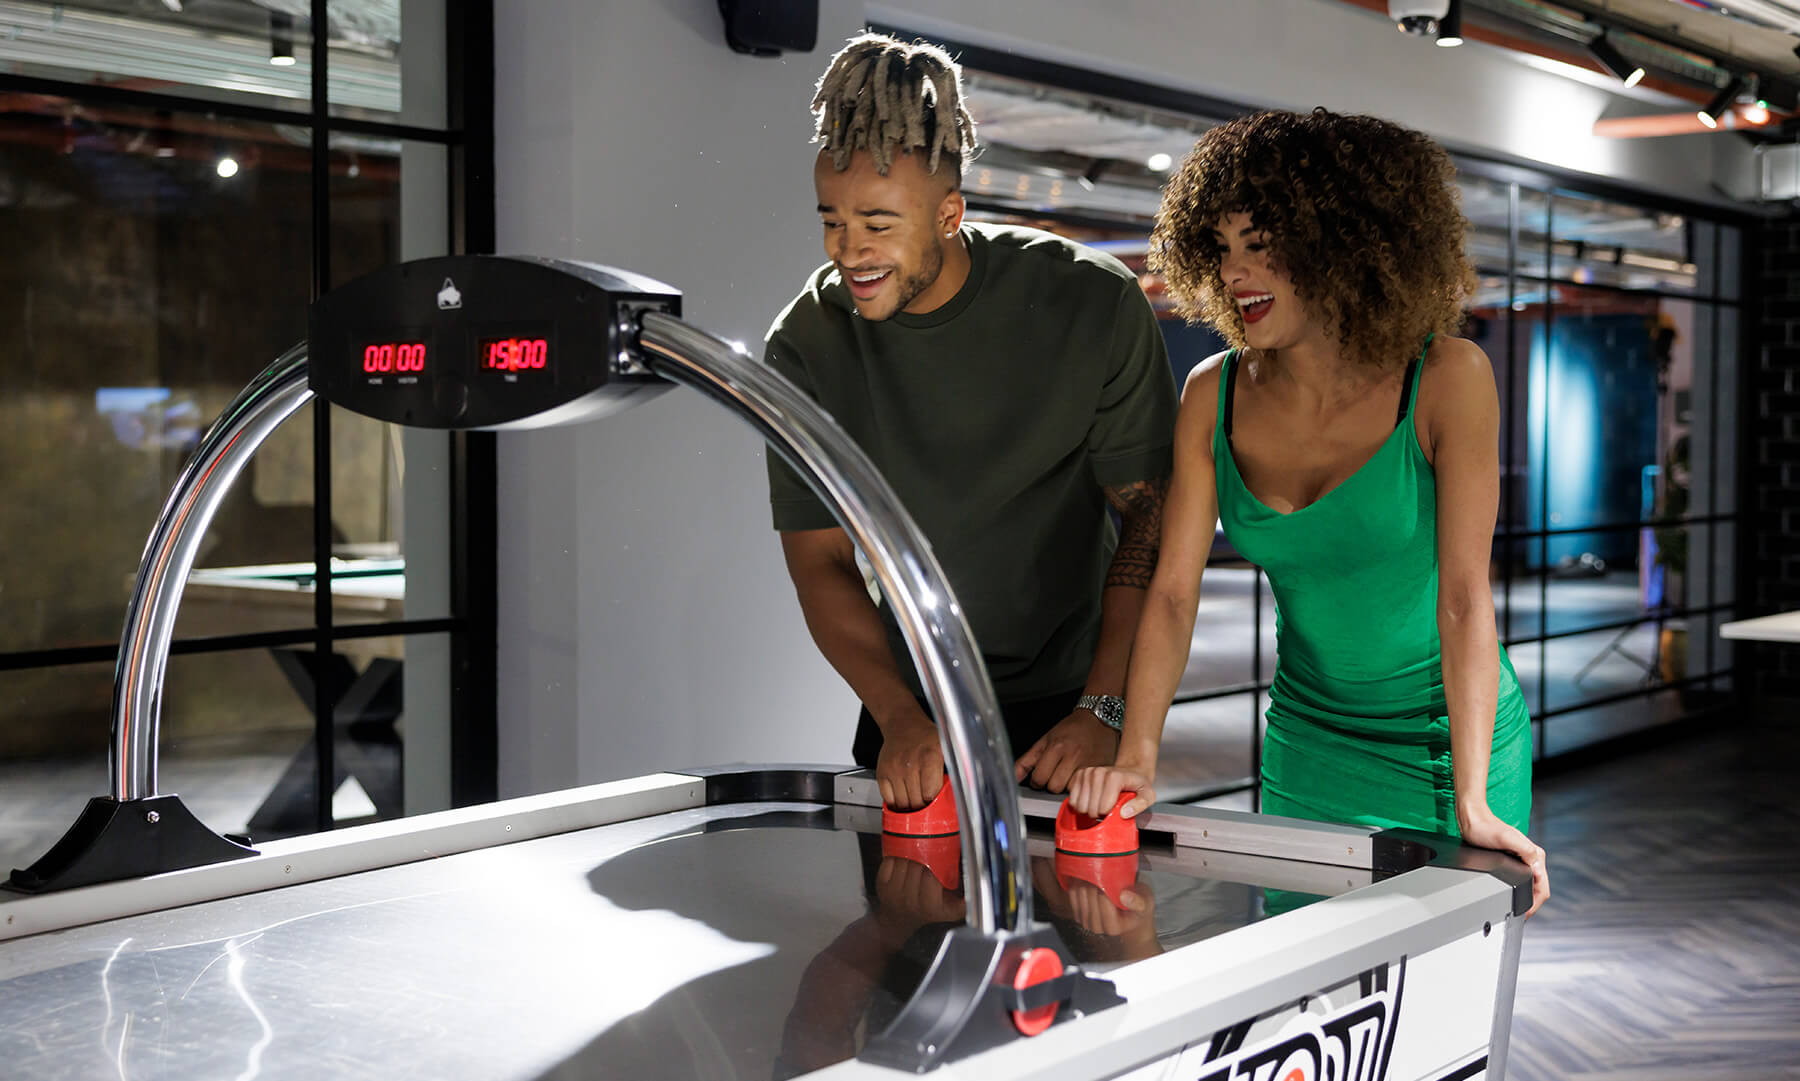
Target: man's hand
846,626
910,768
1078,740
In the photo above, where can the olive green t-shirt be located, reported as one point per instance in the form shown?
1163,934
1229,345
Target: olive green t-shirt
997,419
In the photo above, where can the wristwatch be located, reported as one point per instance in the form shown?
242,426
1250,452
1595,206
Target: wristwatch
1110,708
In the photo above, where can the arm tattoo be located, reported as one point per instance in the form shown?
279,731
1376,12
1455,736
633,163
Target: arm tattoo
1140,507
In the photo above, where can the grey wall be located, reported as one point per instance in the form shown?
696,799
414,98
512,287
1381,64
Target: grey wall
645,619
425,487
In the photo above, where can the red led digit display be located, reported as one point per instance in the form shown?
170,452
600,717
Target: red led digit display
393,358
509,355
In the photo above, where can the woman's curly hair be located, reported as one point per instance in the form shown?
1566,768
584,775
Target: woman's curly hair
1363,216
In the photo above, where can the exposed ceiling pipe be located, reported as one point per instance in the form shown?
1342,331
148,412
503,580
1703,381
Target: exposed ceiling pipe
1558,25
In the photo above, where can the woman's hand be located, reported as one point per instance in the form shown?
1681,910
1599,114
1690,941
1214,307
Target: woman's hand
1097,914
1095,789
1480,826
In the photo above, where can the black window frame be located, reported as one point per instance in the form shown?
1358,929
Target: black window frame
468,137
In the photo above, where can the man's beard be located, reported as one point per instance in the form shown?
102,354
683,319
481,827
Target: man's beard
918,283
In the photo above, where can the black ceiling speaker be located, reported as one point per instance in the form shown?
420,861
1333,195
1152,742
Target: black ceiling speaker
771,27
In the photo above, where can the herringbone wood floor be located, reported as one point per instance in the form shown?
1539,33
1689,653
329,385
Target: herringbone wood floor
1671,945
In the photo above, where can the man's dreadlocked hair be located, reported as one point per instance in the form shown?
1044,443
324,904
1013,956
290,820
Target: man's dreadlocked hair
883,95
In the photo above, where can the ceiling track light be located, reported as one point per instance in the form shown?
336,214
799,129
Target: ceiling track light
1721,102
1610,58
281,39
1449,28
1751,108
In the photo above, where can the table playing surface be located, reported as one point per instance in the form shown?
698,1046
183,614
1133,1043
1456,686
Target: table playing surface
733,941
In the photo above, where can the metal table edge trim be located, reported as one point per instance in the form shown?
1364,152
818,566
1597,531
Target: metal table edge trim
1194,827
1382,921
349,851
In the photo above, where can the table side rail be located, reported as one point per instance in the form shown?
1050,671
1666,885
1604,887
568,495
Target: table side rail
1325,880
1194,827
1177,998
359,848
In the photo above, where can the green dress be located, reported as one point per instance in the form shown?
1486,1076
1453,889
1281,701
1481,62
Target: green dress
1358,731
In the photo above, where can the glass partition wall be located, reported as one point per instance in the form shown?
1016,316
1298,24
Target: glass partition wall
1614,329
176,185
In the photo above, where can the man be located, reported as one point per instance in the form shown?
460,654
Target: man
1010,385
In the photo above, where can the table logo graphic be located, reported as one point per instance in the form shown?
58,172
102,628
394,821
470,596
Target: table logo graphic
449,296
1354,1043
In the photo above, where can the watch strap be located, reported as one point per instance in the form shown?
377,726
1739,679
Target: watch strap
1109,708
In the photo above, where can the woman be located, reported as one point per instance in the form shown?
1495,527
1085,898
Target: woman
1348,444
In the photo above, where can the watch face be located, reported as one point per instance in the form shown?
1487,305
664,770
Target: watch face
1109,708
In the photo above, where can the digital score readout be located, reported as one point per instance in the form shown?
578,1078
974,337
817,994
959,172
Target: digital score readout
393,358
483,342
400,361
514,356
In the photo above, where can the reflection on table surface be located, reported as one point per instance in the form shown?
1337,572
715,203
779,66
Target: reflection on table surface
746,941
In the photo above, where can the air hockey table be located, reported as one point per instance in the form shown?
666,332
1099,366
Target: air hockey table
755,924
750,921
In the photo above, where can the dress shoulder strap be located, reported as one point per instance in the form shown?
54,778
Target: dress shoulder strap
1411,391
1227,391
